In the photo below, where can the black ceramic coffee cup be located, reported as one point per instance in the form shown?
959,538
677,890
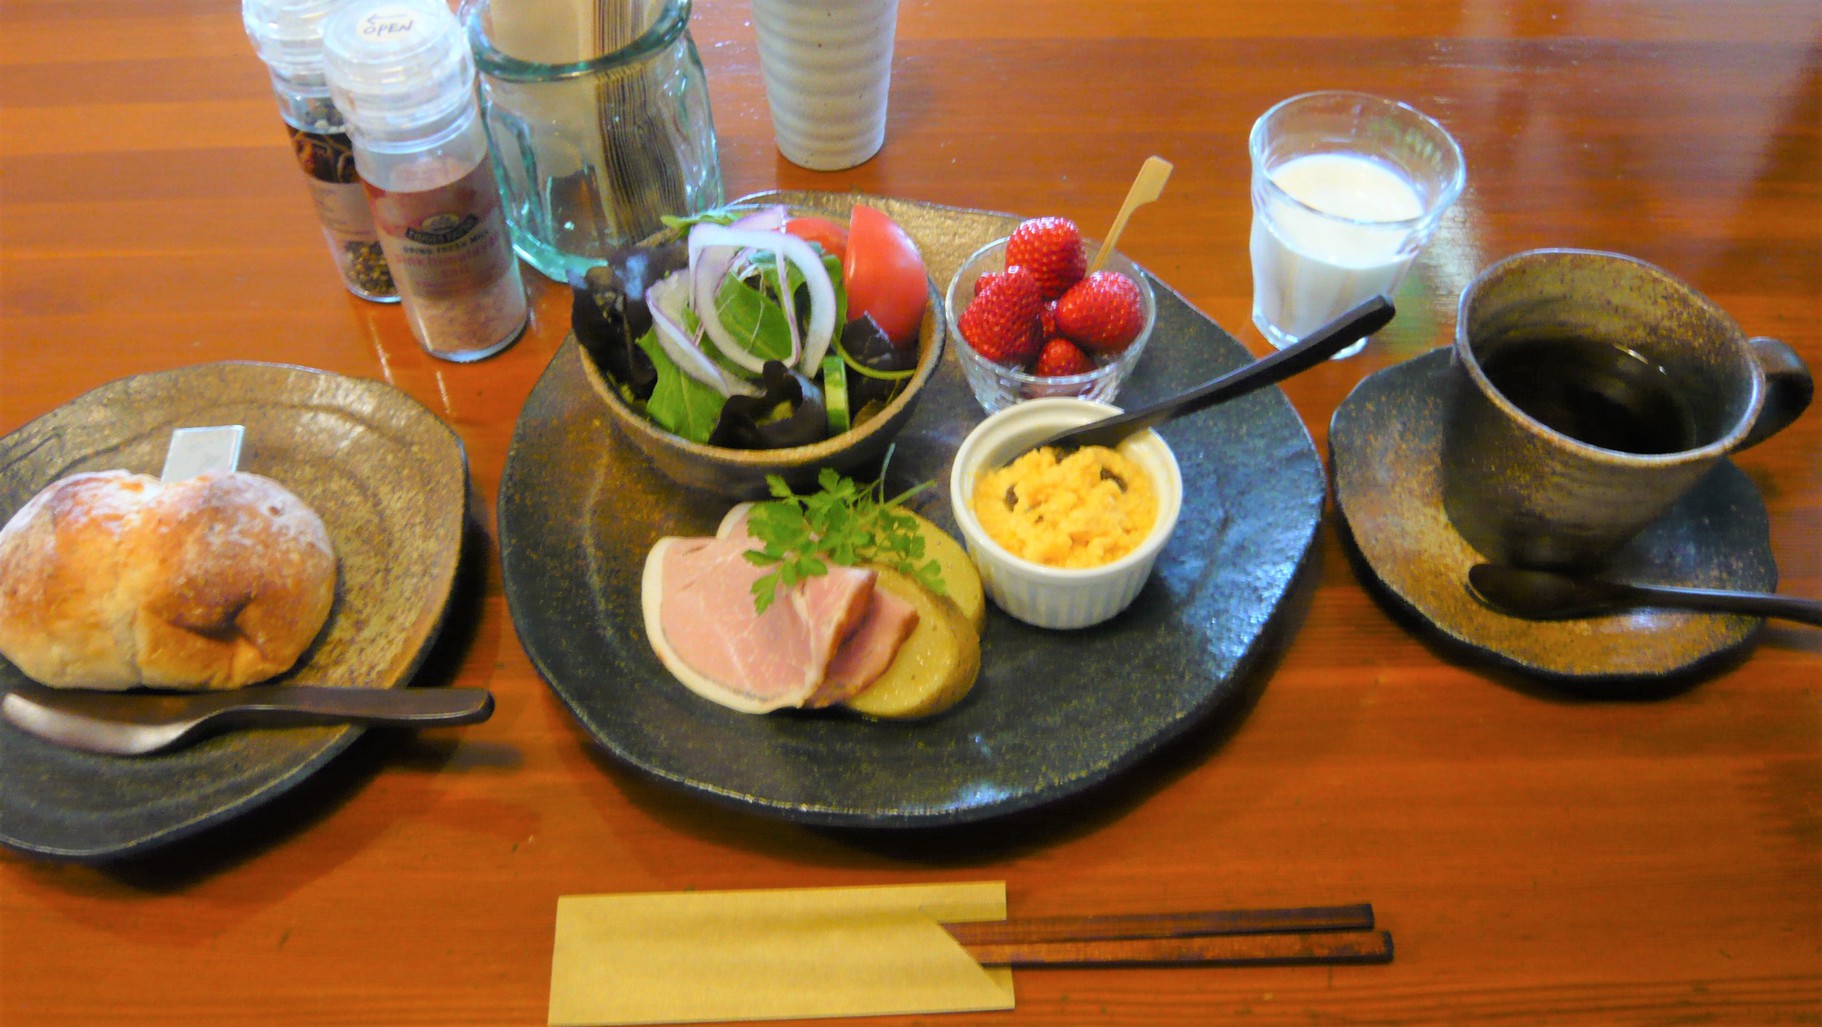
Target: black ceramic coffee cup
1591,391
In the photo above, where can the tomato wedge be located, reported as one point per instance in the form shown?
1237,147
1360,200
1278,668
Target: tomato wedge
830,236
884,275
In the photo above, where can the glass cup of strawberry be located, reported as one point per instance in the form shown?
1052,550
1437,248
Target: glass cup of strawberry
1030,321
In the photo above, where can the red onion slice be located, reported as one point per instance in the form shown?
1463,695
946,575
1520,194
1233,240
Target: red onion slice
770,218
713,249
666,299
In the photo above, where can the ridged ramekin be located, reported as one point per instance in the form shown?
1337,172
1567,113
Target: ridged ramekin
1057,597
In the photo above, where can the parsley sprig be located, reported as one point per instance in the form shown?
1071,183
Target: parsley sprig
844,523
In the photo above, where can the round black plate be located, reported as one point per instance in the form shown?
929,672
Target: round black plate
391,484
1052,713
1386,444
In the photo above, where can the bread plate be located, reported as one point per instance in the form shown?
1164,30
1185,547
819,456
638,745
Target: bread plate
1053,712
390,482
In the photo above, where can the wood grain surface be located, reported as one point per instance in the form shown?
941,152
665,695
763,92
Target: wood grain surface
1540,854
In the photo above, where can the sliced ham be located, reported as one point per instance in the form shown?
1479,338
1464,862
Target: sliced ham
818,643
866,653
700,618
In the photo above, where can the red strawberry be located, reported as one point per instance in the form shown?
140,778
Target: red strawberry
981,282
1001,323
1103,312
1061,357
1051,249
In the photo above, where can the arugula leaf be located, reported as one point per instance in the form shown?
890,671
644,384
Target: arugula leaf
763,311
755,319
679,404
844,523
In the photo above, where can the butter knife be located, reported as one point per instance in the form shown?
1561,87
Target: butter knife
139,723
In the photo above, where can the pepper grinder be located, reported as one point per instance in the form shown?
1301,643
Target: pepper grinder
288,36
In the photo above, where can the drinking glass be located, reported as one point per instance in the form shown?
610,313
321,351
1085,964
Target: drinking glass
598,129
1347,188
828,70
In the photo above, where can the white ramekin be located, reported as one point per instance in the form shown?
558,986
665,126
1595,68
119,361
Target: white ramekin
1056,597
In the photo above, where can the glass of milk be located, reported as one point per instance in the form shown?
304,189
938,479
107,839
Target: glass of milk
1347,188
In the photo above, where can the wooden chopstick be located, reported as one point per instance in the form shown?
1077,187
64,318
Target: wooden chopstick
1358,917
1203,949
1230,937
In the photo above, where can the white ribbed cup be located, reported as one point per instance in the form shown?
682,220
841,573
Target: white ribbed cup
828,68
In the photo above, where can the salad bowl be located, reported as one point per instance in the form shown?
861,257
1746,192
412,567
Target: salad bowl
742,473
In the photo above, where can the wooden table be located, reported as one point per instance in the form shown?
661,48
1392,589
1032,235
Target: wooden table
1540,855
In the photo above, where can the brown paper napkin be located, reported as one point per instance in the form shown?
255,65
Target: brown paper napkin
755,955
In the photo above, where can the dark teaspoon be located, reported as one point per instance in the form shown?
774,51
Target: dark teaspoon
1546,595
1302,355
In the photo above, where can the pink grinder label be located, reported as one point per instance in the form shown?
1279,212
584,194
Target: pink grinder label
447,240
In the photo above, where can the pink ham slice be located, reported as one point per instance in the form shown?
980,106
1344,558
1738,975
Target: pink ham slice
866,653
703,625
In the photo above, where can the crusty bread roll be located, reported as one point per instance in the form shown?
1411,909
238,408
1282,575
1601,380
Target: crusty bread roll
110,580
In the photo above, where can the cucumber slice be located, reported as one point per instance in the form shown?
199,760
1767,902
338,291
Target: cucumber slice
835,393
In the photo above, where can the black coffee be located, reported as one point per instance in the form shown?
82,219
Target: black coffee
1597,392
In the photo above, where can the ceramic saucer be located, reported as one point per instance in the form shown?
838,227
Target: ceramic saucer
1384,445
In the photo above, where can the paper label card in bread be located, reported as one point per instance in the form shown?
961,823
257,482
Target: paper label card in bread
214,449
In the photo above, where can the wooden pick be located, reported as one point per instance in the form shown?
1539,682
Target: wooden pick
1148,186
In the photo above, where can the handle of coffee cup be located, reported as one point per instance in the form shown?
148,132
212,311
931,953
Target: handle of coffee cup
1788,388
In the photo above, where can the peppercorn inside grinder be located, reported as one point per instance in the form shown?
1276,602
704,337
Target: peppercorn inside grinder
288,36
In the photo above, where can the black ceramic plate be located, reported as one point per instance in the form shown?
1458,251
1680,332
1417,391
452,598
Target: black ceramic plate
1386,442
1052,712
391,484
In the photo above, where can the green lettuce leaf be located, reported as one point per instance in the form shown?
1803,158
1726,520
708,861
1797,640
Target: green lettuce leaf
833,265
755,320
679,404
754,315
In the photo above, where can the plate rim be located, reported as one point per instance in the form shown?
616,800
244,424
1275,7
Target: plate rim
340,737
1088,775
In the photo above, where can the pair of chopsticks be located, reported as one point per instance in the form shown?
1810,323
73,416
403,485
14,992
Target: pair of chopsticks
1233,937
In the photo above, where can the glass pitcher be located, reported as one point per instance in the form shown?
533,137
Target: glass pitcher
598,115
